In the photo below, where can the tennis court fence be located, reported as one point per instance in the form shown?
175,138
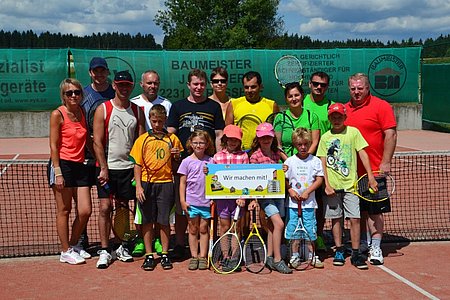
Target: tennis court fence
420,205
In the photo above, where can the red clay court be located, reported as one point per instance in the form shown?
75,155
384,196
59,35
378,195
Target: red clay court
413,270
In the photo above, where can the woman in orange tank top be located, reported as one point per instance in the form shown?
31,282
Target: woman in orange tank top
67,172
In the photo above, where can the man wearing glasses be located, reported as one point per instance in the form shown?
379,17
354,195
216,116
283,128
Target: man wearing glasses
317,102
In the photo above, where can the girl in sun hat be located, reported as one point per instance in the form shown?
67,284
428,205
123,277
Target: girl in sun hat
265,151
231,153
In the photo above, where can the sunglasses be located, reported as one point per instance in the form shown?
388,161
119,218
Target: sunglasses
70,93
316,84
219,81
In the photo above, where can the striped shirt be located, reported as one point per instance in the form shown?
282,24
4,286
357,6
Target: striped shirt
225,157
258,157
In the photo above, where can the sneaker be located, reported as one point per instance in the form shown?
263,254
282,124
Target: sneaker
339,258
158,246
193,264
294,262
202,263
376,256
165,262
358,261
71,257
139,248
229,264
320,244
149,263
123,255
178,252
83,253
281,267
269,262
316,263
104,260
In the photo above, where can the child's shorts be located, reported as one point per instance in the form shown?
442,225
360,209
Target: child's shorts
341,203
309,222
203,212
227,208
158,204
272,207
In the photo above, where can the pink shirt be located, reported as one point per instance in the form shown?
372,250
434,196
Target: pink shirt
225,157
258,157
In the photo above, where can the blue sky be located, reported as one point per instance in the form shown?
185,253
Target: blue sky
320,19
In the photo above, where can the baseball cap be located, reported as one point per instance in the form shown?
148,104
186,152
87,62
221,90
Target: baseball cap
338,108
233,131
98,62
123,77
265,129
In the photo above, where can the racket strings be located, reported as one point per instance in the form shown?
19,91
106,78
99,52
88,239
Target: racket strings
255,254
227,253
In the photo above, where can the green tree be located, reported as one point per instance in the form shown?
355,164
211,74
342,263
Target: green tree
218,24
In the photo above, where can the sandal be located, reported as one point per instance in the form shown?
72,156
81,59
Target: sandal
202,263
282,267
193,264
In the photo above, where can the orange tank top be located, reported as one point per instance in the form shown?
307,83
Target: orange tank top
72,137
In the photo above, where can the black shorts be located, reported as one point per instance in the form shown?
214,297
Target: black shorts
91,169
74,173
158,204
375,208
119,185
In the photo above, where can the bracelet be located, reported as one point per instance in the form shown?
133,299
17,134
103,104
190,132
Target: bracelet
57,171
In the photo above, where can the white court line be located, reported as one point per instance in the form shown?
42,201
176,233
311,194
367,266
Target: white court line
424,165
406,281
8,165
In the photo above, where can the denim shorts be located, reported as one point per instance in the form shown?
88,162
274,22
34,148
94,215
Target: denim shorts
272,207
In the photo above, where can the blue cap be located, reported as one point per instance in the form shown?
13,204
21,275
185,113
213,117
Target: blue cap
98,62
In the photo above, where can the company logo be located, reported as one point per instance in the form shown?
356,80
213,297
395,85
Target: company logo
387,74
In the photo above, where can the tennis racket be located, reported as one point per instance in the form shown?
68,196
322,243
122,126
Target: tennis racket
386,187
288,69
248,124
122,222
227,251
255,252
301,250
211,233
283,126
91,114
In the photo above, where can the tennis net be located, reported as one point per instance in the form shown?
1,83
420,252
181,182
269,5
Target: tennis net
420,205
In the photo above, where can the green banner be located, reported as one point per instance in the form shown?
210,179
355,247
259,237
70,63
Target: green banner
393,72
436,107
29,78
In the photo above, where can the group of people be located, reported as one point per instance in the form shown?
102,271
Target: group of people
99,136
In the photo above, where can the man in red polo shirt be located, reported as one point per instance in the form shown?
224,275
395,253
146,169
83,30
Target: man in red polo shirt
375,120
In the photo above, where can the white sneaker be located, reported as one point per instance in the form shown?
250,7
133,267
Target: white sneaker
123,255
104,260
71,257
317,263
294,262
376,256
83,253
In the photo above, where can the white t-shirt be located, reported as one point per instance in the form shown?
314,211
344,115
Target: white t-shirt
301,174
147,105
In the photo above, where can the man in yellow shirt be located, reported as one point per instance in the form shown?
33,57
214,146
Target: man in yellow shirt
250,110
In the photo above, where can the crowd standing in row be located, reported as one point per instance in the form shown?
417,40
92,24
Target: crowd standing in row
129,137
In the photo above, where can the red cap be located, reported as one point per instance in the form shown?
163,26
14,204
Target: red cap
233,131
337,108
